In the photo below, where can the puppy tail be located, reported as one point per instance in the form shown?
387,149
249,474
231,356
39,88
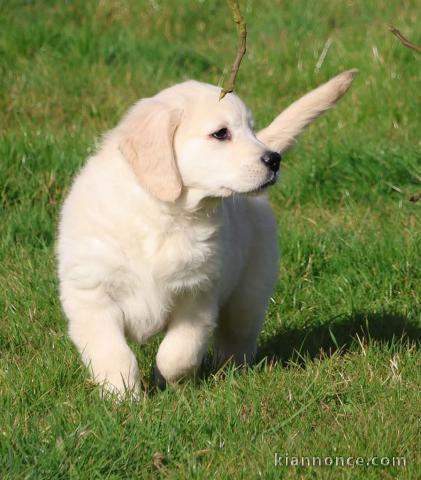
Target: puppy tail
282,132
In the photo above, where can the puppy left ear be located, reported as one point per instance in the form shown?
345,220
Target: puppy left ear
282,132
147,135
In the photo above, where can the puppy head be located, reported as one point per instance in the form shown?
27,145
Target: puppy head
184,138
217,151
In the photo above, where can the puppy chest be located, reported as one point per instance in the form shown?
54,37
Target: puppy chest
187,260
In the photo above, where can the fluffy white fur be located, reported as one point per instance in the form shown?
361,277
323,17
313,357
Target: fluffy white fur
151,237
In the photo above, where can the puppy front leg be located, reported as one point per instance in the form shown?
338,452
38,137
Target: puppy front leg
191,325
98,333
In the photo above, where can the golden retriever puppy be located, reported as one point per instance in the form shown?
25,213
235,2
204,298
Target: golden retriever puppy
160,233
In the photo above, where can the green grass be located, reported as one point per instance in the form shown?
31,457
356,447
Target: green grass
339,371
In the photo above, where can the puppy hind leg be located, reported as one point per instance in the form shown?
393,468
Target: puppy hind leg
98,333
241,319
236,335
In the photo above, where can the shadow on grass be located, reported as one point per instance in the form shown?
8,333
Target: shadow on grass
300,343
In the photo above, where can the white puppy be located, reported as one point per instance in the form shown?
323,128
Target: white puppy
151,237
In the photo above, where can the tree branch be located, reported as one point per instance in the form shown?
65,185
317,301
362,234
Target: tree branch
241,49
404,40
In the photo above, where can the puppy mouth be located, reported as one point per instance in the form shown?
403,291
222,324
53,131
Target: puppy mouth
257,190
266,184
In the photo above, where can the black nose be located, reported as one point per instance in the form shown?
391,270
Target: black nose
271,160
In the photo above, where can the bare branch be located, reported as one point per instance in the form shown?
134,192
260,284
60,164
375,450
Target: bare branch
404,40
415,197
241,49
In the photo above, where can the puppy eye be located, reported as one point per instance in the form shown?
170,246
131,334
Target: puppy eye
222,134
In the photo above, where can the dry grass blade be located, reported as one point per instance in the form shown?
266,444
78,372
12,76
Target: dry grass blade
241,49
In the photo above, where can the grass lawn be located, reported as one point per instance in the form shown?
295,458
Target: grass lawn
339,366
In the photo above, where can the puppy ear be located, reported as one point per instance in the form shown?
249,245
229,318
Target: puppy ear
147,135
281,133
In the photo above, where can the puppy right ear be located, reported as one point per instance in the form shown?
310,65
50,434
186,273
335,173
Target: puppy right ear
147,135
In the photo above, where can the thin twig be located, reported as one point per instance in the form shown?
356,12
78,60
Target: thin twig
404,40
241,50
